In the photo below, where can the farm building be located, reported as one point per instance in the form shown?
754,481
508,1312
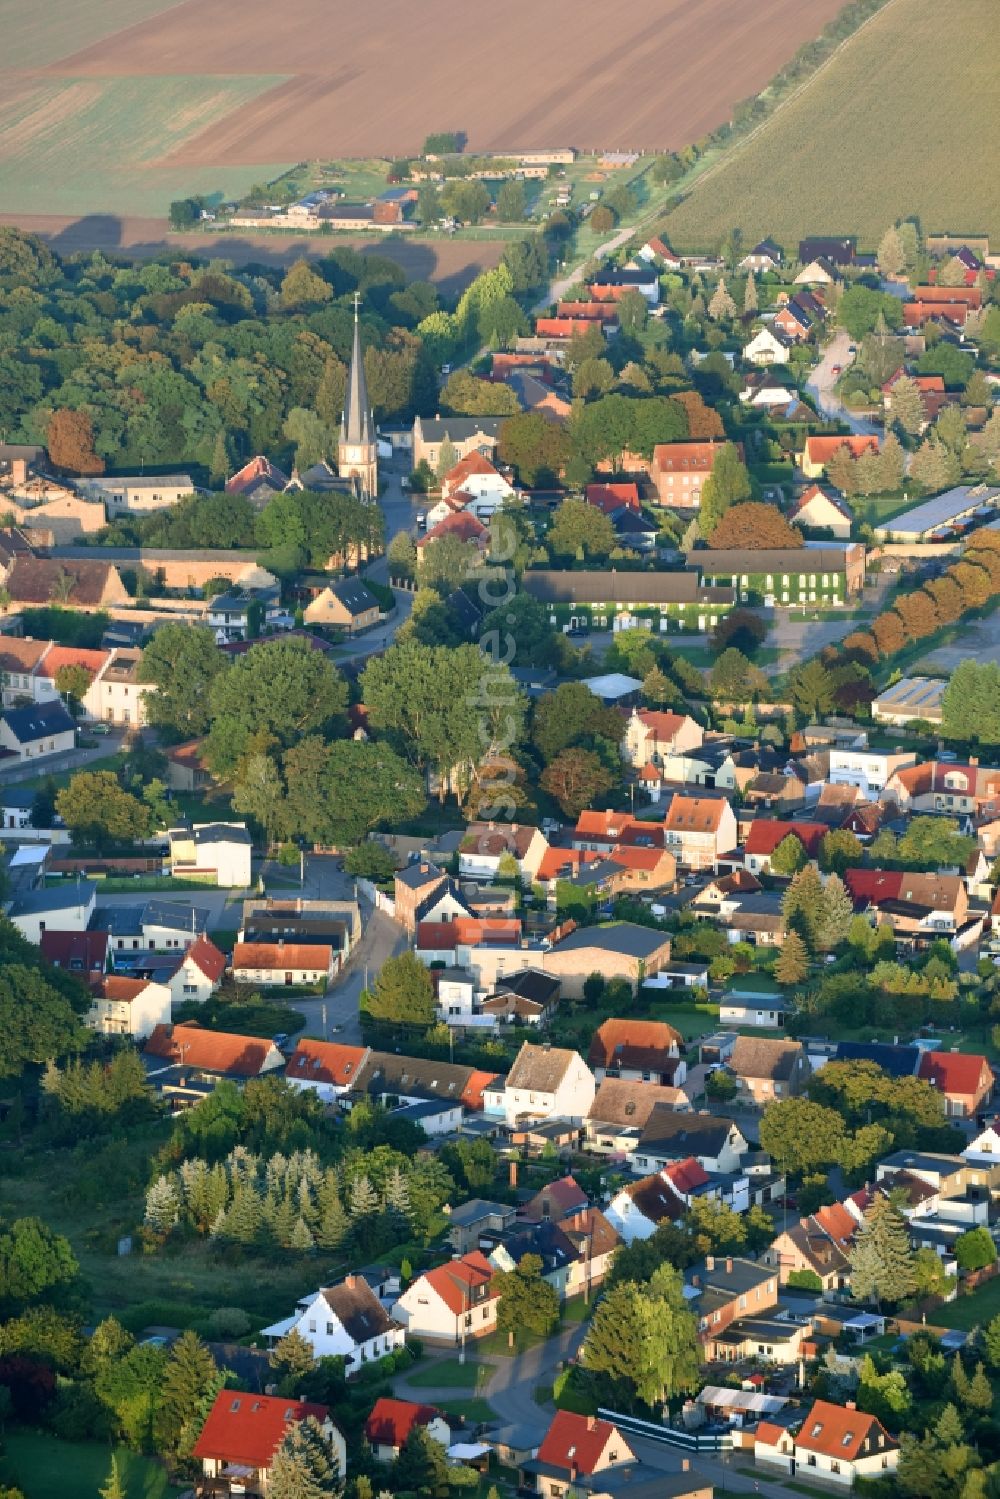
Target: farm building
935,517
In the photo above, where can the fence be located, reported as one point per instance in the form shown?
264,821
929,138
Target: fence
670,1436
378,898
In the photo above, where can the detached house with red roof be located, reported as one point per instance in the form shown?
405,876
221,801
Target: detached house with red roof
463,525
819,450
243,1432
198,973
451,1303
920,908
391,1422
679,471
963,1078
326,1068
574,1448
816,510
278,965
838,1444
766,835
699,830
174,1053
637,1051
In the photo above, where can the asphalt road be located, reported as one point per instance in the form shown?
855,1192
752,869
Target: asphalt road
335,1016
820,386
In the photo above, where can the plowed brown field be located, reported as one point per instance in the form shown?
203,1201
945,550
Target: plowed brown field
375,78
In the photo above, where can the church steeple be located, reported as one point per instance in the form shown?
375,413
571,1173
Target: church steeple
357,427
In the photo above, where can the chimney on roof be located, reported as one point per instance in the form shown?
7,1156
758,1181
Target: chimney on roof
696,1280
849,1405
685,1465
710,1262
729,1266
591,1422
513,1174
973,759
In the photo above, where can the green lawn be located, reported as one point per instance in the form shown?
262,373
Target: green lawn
42,1467
450,1374
971,1311
63,777
473,1409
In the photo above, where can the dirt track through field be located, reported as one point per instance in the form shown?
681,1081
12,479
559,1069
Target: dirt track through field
374,79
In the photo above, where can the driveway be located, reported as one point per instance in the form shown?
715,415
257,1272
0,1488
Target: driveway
820,387
72,760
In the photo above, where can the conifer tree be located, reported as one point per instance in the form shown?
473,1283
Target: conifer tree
191,1381
881,1259
836,915
793,961
292,1355
722,306
113,1486
303,1466
750,296
363,1198
301,1237
162,1207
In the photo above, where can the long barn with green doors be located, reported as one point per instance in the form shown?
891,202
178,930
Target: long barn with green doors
614,600
785,576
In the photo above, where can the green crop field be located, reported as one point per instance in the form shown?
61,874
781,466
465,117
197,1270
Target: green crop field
36,35
905,121
92,145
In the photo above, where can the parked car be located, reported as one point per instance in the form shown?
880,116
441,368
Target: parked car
101,728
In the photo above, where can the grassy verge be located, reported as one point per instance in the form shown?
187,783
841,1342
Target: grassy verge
449,1374
473,1409
971,1311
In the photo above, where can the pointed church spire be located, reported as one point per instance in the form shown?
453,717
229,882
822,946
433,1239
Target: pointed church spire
356,427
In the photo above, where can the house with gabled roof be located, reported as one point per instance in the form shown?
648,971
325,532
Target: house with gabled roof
196,974
619,950
620,1110
346,603
637,1051
722,1292
393,1079
679,470
258,480
327,1068
767,834
207,1054
544,1082
575,1449
85,954
817,451
391,1422
651,736
965,1080
451,1303
919,907
36,732
242,1433
769,346
486,843
717,1144
699,830
345,1321
279,965
838,1444
819,1243
818,510
463,526
122,1006
639,1207
766,1069
765,256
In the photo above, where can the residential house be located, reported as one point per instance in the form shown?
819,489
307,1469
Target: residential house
220,850
258,480
452,1303
490,948
545,1082
347,603
123,1006
765,256
185,1046
281,964
842,251
486,843
818,510
611,285
920,908
769,346
19,662
530,997
621,1110
699,830
187,769
391,1422
327,1068
768,834
637,1051
345,1321
603,832
63,908
638,1208
239,613
960,790
819,1244
243,1432
463,526
965,1079
679,471
463,434
160,925
716,1144
766,1070
622,950
751,999
837,1444
871,770
559,1200
615,600
725,1291
82,953
612,496
392,1079
117,696
37,732
574,1448
471,1221
800,316
476,477
820,271
197,974
414,889
650,736
768,392
818,451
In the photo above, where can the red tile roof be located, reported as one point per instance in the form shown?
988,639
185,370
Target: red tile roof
822,449
565,1194
465,468
564,862
970,295
686,457
391,1421
765,836
609,497
248,1429
121,990
835,1220
562,327
215,1051
640,1044
598,312
687,1176
835,1431
577,1443
85,951
872,886
663,726
325,1062
206,956
455,1281
445,936
636,858
956,1073
66,655
472,1093
22,655
312,957
462,524
695,814
251,473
